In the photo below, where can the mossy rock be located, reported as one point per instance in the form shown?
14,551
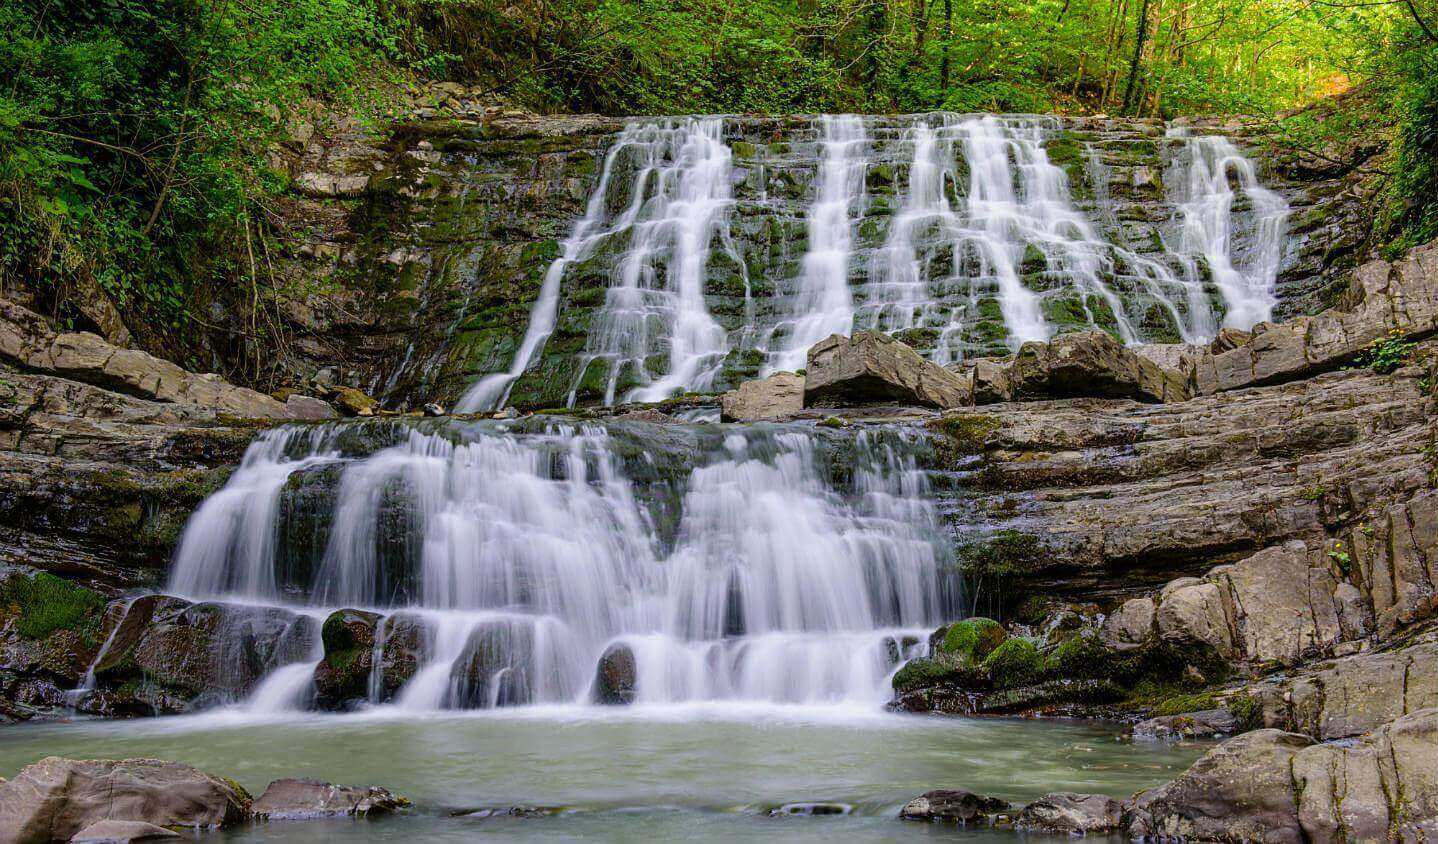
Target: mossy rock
45,604
1081,656
1016,662
972,640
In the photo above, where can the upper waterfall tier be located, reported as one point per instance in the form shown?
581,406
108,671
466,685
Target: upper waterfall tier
706,255
777,563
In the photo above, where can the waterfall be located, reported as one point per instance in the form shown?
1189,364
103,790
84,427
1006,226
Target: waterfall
779,564
1237,233
695,267
823,304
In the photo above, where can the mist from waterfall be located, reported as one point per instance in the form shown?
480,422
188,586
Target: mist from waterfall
773,564
980,246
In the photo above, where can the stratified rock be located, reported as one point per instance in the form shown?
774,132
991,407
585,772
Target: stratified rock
1346,697
1090,363
121,832
874,368
1282,602
780,396
1203,724
1068,813
953,806
292,799
27,340
1239,791
1398,560
56,798
615,676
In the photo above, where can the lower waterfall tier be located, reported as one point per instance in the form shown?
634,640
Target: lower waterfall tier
454,565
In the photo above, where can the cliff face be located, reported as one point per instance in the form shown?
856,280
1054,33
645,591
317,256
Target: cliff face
421,256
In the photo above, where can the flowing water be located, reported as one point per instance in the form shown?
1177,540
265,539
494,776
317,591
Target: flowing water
775,564
963,234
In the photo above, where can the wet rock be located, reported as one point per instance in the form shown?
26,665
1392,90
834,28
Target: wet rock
615,677
953,806
293,799
121,832
873,368
27,340
494,668
1239,791
1090,363
343,675
780,396
1203,724
434,409
56,798
811,809
1268,785
1069,813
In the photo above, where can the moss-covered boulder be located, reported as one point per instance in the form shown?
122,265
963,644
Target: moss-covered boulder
343,674
1015,662
972,640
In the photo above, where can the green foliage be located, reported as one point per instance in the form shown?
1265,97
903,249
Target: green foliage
972,640
134,137
1002,554
1014,663
1388,354
44,604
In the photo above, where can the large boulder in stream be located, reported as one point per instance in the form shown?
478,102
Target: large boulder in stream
56,798
953,806
495,667
1079,364
348,675
874,368
1068,813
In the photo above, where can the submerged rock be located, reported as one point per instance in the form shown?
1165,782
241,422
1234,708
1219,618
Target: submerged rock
292,799
811,809
953,806
872,368
1203,724
56,798
615,677
121,832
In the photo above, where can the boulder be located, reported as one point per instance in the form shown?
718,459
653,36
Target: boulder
953,806
28,341
1346,697
1398,562
1269,785
1202,724
494,668
308,408
1068,813
1191,613
1091,364
56,798
1130,625
874,368
780,396
1282,600
292,799
1240,790
343,675
121,832
352,402
615,677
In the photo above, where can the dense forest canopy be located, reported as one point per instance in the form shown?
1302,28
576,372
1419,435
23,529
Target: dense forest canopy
134,134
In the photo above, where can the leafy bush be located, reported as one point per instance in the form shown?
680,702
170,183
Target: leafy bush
1388,354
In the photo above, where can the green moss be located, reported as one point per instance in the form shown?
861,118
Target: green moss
1014,663
973,639
1248,709
966,433
1002,554
45,604
921,673
1181,703
1081,656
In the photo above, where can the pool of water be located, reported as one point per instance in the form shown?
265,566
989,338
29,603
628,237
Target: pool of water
703,772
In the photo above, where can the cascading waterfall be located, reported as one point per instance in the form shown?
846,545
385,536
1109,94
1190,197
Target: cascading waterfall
1243,263
783,564
961,233
823,304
